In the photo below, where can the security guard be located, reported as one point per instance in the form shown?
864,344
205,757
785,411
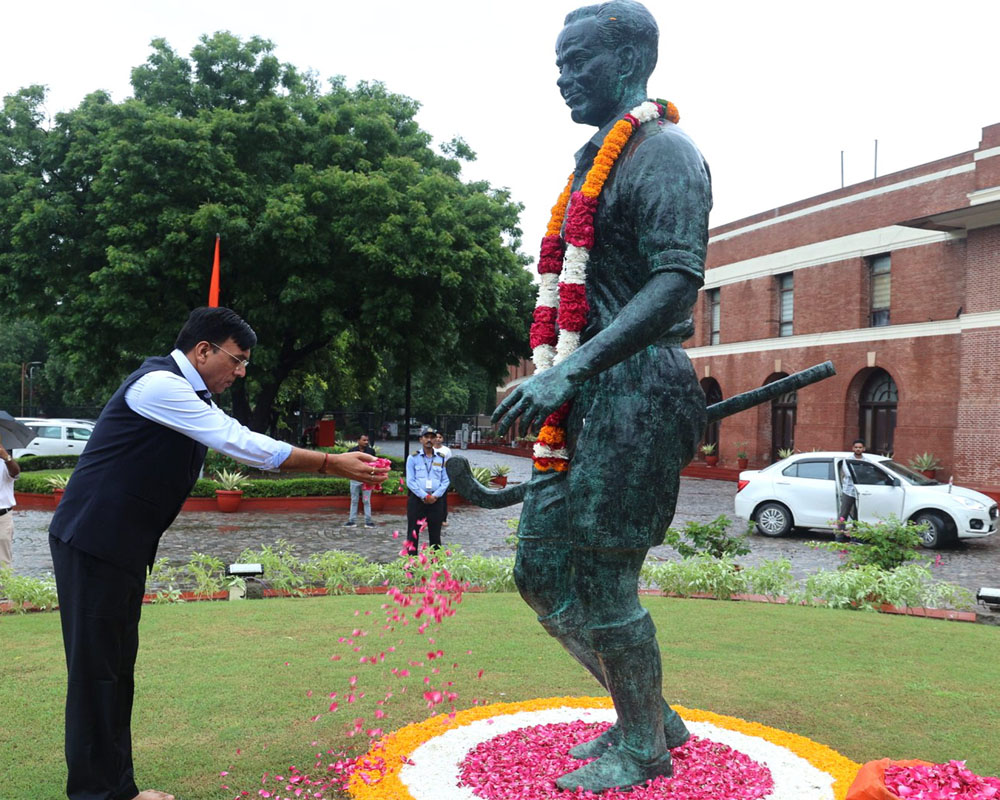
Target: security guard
426,481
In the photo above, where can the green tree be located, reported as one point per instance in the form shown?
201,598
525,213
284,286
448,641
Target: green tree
22,344
347,241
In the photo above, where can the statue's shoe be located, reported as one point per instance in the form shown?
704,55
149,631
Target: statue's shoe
674,731
616,769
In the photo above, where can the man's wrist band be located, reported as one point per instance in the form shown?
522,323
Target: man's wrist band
322,469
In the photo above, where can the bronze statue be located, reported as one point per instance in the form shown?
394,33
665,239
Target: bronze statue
617,397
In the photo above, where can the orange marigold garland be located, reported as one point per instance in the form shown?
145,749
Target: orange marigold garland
561,308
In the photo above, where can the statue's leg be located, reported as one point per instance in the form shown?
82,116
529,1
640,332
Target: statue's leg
634,431
623,636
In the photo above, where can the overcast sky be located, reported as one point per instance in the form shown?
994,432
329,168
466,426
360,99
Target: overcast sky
771,91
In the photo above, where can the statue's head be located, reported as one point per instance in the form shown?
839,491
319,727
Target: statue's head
605,54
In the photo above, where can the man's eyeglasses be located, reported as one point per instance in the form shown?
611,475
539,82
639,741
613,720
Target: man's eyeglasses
243,362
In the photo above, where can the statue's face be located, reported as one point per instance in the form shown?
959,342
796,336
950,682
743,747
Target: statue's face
589,78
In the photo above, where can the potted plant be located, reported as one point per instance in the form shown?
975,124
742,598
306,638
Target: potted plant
483,475
926,463
229,495
711,457
741,455
498,475
785,452
58,484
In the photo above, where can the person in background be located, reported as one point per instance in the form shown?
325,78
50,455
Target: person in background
358,488
140,464
848,492
445,452
426,482
9,470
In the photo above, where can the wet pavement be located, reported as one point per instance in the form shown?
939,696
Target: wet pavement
972,564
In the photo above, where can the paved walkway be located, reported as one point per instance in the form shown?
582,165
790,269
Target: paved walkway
973,564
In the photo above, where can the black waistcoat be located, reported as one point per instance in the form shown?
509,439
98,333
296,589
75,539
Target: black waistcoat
130,482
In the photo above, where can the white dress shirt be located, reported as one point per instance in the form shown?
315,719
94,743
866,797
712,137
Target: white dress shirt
6,487
172,401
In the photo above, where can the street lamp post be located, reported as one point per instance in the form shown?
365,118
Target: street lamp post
25,367
31,386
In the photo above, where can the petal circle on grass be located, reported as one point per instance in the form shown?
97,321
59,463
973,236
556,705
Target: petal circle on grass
524,764
424,761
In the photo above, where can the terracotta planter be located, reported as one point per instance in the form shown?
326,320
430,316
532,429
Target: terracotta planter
929,473
741,463
711,460
228,501
57,494
499,480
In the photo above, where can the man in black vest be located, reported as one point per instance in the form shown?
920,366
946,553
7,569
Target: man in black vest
141,462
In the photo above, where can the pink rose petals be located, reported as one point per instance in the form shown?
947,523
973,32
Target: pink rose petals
378,463
434,600
951,781
524,764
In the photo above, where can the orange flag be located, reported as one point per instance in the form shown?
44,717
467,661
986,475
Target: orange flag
213,287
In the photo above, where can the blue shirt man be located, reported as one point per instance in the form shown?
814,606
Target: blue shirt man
426,482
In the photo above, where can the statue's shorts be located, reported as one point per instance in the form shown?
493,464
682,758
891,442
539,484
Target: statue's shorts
631,431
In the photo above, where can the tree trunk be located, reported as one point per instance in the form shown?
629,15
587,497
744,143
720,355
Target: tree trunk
406,412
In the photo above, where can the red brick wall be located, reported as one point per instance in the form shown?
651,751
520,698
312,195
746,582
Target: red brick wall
977,434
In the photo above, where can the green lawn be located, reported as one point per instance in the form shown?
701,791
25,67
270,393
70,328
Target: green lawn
214,678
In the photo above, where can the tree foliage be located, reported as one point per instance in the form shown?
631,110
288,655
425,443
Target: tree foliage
347,241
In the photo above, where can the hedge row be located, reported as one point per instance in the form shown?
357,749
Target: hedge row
263,487
214,462
287,487
37,484
35,463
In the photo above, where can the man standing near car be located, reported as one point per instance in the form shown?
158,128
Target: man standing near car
9,470
848,492
143,458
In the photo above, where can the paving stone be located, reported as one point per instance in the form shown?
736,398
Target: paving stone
972,564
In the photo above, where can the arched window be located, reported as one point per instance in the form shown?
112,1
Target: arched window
783,423
713,394
877,407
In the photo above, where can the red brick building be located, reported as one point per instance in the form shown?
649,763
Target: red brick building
897,281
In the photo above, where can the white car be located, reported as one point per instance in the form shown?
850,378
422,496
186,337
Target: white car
55,437
803,491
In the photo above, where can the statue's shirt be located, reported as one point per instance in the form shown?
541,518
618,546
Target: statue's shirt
652,216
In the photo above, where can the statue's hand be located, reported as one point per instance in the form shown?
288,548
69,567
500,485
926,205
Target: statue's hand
534,399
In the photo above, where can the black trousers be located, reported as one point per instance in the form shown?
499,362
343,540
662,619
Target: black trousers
99,608
848,510
417,509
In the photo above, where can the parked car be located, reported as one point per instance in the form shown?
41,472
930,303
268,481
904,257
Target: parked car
55,437
803,491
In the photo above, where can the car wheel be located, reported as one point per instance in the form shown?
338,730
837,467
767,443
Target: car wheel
773,519
938,533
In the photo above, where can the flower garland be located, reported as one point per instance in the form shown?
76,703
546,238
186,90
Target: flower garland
562,270
378,776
